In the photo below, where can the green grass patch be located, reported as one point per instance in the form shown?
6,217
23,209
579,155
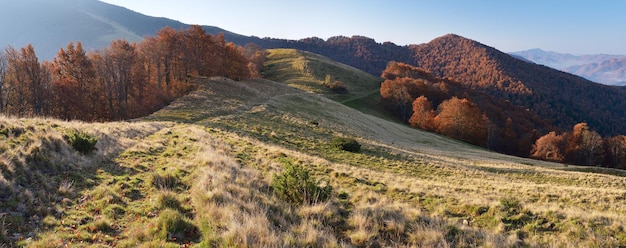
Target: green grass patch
173,226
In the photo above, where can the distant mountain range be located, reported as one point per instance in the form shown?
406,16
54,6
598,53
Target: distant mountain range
601,68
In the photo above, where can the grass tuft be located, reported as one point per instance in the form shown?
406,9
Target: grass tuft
165,180
175,227
168,199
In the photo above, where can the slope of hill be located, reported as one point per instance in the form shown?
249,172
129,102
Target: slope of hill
560,97
206,179
54,23
601,68
309,72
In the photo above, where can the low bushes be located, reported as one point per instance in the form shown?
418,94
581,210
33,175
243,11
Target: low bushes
81,141
346,144
295,186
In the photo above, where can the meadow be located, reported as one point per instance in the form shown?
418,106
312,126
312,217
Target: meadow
200,173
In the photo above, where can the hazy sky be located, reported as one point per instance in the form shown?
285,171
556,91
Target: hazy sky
568,26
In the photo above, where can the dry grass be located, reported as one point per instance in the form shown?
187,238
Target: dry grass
210,178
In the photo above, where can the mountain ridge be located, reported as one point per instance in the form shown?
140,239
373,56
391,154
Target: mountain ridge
563,98
92,22
599,68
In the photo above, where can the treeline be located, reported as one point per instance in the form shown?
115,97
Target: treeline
449,108
121,81
581,146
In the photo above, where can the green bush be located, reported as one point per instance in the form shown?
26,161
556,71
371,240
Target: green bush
81,141
295,186
346,144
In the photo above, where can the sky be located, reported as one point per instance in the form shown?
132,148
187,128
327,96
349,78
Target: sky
565,26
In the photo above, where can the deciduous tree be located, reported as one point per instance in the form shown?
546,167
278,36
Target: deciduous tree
615,151
3,72
549,147
462,119
584,146
423,114
26,84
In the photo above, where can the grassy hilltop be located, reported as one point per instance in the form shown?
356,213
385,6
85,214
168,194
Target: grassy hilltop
200,172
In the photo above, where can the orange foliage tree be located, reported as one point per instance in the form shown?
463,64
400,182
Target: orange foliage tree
581,146
463,120
3,76
26,83
73,80
423,114
549,147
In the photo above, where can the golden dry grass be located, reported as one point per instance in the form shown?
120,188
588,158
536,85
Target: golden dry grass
210,173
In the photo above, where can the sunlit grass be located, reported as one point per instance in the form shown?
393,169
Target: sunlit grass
206,180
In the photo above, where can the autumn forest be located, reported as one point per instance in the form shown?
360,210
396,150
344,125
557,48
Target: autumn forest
118,82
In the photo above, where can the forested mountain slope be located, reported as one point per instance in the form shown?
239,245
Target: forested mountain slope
559,97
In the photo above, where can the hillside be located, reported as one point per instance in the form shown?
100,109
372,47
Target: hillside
92,22
601,68
206,179
309,72
504,128
560,97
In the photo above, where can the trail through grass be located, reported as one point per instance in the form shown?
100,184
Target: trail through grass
199,173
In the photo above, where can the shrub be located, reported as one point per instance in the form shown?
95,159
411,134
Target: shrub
295,186
346,144
81,141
